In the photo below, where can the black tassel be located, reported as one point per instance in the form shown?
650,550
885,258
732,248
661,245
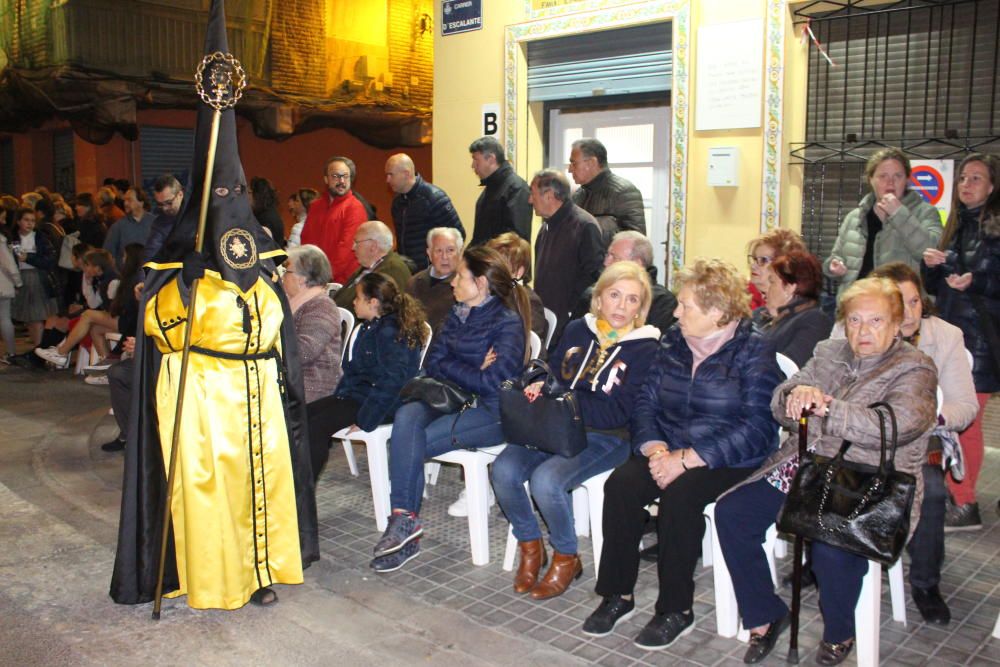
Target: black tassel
242,305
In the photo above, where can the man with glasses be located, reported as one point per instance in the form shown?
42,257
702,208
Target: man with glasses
373,250
168,197
334,218
614,201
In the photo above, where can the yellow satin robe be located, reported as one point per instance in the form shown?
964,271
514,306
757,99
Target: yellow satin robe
233,506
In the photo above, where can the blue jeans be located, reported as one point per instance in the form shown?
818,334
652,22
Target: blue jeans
552,478
420,432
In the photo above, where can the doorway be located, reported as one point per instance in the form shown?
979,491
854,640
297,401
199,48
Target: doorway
638,143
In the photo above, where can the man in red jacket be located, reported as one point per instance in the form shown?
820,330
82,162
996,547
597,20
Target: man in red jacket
333,219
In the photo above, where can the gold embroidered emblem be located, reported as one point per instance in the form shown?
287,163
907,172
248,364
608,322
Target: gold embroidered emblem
238,249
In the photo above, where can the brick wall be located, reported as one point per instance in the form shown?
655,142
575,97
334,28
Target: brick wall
298,47
411,54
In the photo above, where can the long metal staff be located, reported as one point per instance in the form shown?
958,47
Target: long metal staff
793,632
227,82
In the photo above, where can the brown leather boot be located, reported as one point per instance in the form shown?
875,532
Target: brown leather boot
533,557
564,569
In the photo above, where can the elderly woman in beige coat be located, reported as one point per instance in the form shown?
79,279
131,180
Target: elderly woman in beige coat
838,384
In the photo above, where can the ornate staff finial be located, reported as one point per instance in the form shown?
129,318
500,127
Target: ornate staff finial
226,80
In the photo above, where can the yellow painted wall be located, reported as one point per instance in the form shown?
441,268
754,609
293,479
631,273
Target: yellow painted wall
469,72
720,220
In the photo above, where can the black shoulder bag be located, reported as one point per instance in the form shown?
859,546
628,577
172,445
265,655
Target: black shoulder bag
551,423
859,508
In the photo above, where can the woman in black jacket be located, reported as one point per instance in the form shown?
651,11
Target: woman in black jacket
484,342
963,272
382,354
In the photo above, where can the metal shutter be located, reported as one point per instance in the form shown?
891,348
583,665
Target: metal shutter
7,167
922,78
63,164
165,150
612,62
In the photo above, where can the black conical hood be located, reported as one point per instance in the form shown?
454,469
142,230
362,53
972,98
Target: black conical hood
234,239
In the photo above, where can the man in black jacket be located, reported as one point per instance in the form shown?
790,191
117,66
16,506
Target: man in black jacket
503,204
417,208
614,202
569,254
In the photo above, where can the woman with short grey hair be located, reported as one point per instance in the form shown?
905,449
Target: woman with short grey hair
316,319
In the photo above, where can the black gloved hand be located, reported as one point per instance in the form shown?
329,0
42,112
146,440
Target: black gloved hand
194,267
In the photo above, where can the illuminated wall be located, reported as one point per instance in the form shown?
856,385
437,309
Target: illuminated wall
488,66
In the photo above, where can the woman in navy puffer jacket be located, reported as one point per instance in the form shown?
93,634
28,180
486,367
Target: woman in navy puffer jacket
702,423
483,342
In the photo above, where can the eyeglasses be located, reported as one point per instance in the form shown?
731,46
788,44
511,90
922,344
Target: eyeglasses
763,260
167,203
340,177
358,242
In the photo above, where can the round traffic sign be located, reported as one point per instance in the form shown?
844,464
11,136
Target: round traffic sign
928,183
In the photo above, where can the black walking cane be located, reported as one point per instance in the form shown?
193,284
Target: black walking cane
227,82
793,631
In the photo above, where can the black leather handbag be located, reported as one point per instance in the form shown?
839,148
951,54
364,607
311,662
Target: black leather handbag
551,423
442,395
859,508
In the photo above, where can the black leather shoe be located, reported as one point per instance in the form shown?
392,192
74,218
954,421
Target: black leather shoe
115,445
663,629
833,654
762,645
931,605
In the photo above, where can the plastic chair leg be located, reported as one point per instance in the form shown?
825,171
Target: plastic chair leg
510,551
581,511
378,471
867,616
897,592
595,498
476,483
352,461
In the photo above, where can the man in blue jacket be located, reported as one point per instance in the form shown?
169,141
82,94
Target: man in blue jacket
417,208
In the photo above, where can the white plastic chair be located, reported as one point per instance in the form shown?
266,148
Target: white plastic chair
376,444
866,614
787,366
346,325
332,289
550,321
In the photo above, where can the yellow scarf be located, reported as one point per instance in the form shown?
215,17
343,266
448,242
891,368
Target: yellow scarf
608,335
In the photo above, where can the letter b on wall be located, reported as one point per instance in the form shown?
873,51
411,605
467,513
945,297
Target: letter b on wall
491,120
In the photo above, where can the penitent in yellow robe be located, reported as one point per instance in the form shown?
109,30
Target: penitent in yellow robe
233,506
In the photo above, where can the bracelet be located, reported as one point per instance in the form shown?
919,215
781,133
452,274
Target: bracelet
683,465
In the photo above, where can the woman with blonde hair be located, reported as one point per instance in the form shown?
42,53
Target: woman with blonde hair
603,357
